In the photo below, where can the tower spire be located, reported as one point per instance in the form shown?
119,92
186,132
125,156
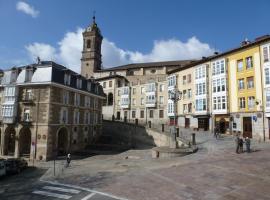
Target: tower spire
94,17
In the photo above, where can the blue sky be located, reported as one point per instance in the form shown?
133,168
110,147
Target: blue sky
134,31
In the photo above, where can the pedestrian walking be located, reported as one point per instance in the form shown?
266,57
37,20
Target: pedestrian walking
68,159
237,139
247,142
215,132
241,143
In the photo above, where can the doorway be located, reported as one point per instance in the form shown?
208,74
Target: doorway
187,122
118,115
247,127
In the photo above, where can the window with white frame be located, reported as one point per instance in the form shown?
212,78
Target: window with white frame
189,93
251,102
150,99
170,107
7,110
142,101
171,81
9,93
219,103
200,104
266,51
267,99
200,72
184,94
200,88
26,115
125,90
161,87
125,101
67,78
142,90
104,84
267,76
151,87
218,67
134,102
218,85
185,108
242,102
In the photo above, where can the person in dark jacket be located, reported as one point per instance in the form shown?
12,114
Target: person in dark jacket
237,139
68,159
247,141
241,142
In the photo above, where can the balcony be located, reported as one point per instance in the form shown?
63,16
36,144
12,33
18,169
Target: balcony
8,120
27,119
28,99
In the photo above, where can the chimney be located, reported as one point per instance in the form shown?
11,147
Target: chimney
216,53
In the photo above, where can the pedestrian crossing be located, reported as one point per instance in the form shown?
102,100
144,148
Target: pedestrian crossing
60,192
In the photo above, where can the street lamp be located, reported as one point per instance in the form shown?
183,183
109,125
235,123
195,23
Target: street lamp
175,95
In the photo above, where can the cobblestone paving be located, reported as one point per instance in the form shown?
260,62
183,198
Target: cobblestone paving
214,172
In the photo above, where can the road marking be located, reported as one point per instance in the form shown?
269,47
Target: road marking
88,196
83,188
50,194
61,189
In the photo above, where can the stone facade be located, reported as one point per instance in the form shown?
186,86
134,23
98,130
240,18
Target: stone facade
48,116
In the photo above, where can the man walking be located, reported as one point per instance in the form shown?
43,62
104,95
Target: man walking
68,159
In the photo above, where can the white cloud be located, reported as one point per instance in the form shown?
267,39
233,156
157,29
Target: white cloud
68,51
27,9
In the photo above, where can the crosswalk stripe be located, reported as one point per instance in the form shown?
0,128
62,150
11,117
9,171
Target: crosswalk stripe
61,189
51,194
88,196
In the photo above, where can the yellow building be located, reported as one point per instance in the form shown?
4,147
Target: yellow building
245,91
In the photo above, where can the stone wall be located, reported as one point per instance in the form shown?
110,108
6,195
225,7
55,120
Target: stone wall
135,135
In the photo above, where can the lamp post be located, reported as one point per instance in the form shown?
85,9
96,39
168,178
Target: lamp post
175,95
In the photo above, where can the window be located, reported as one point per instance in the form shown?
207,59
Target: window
151,113
28,94
200,104
170,107
161,88
251,102
124,101
240,65
87,101
119,92
161,100
133,114
133,101
267,99
200,72
171,81
104,84
266,53
161,114
189,93
218,85
151,87
184,94
218,67
88,44
77,99
89,86
65,97
134,91
190,107
241,84
142,90
250,82
64,116
242,103
142,101
267,76
28,75
249,63
67,79
219,103
79,83
189,78
110,83
200,88
26,115
150,99
76,117
185,108
142,114
125,90
184,80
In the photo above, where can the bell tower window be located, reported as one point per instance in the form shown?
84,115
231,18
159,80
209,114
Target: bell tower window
88,44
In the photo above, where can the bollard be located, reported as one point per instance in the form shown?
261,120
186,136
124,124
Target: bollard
162,127
149,124
193,139
136,121
177,132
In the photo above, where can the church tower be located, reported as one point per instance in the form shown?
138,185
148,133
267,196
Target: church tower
91,54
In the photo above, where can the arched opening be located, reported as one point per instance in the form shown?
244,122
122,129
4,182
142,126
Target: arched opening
62,142
9,143
110,99
25,142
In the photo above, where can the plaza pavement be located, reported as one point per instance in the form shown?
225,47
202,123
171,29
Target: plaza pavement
214,172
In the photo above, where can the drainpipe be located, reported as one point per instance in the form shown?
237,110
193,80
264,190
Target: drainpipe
262,83
35,154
